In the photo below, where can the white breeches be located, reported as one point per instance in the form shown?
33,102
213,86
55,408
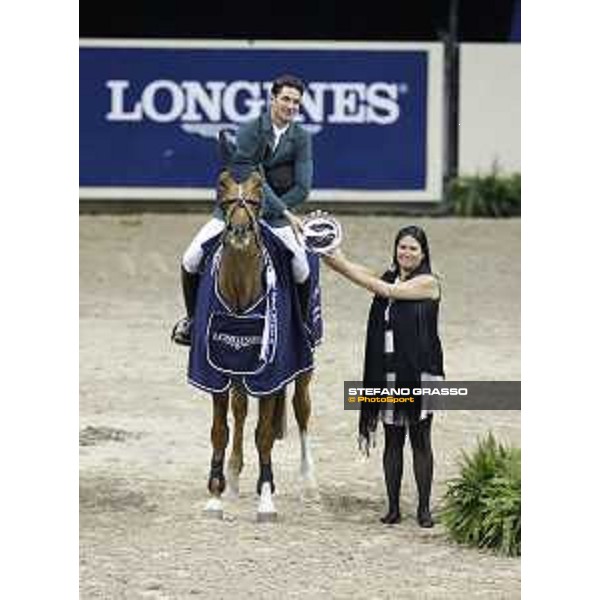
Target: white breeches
195,251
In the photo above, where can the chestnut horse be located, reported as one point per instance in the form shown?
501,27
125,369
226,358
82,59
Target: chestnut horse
240,282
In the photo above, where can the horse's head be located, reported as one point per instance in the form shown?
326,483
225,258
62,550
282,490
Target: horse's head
241,204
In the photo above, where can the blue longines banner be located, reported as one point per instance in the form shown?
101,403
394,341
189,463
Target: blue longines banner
150,113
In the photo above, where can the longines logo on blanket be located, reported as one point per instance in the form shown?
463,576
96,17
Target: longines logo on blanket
203,108
237,342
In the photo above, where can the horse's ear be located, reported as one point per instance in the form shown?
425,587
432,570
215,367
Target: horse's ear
224,180
255,183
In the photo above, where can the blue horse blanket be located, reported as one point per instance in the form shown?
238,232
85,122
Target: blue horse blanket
268,345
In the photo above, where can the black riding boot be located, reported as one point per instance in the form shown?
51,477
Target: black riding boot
182,332
189,285
392,469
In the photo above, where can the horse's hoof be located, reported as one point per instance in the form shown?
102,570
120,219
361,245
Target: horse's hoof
216,515
266,517
213,509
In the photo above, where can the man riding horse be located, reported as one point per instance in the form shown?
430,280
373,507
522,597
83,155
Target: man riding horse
282,150
238,267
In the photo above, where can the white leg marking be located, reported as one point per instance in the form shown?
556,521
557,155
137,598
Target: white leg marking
233,484
266,507
307,471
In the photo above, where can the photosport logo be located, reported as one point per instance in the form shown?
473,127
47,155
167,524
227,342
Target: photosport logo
204,108
437,395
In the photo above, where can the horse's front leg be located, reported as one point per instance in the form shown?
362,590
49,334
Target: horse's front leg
265,437
235,464
301,403
219,436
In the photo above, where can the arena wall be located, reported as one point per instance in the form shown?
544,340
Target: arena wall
135,151
490,108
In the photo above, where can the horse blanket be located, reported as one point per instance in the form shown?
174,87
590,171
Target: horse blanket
268,345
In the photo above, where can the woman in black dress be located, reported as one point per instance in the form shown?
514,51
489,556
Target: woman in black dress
402,349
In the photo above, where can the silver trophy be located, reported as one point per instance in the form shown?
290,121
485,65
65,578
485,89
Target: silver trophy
322,233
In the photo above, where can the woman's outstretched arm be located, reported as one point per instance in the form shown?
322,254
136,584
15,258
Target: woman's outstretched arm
418,288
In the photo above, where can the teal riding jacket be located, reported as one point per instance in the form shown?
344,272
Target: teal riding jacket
288,171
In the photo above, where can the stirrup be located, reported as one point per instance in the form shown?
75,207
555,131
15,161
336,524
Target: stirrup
182,332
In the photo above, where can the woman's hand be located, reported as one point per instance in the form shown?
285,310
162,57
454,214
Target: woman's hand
334,258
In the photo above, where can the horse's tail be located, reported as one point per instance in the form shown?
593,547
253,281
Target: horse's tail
280,416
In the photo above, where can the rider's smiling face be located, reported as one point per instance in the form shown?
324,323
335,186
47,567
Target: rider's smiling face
285,106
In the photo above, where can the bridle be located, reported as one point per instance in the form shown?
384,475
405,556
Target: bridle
251,206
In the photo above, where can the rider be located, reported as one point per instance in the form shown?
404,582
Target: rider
282,150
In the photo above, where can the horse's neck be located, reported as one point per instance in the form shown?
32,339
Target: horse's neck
240,277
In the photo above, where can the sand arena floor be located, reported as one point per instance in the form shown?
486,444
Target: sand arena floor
145,442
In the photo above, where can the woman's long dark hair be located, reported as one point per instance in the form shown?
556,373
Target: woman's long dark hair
419,234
